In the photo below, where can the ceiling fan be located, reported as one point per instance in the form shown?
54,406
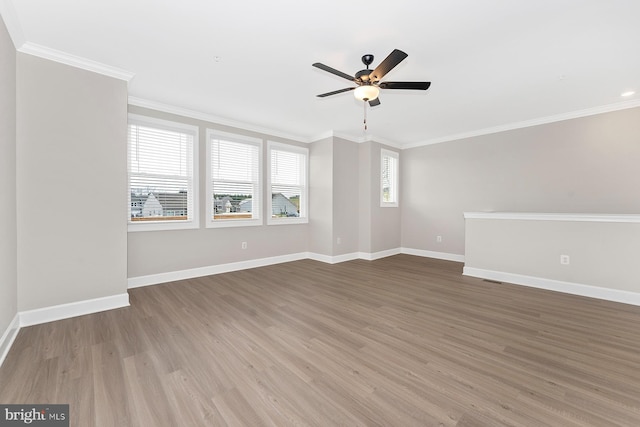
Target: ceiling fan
368,81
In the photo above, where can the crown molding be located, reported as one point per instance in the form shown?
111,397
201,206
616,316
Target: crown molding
334,134
529,123
74,61
372,138
388,143
323,135
356,139
10,18
185,112
198,115
11,21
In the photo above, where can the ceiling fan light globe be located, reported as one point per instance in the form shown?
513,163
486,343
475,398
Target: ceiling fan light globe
366,92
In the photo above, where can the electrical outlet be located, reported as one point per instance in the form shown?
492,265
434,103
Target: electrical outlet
564,259
244,245
339,240
439,239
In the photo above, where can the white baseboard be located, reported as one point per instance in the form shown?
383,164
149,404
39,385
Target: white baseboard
608,294
378,255
8,337
353,255
73,309
172,276
431,254
328,259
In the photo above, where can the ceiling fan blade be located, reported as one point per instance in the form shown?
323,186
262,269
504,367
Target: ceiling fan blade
347,89
394,58
333,71
374,102
405,85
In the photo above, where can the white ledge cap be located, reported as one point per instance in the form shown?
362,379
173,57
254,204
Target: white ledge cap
536,216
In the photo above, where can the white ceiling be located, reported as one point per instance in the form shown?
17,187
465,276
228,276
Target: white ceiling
493,64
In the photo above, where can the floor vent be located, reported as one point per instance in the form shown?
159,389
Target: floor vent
492,281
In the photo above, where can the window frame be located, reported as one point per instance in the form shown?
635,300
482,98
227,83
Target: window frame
242,139
394,185
304,192
158,225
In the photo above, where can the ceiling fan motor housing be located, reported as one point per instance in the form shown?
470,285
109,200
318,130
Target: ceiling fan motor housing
363,76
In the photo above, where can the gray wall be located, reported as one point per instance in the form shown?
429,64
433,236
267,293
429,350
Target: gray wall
334,197
589,164
364,196
379,228
8,236
71,184
155,252
346,200
321,197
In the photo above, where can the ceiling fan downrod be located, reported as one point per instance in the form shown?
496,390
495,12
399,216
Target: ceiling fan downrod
365,116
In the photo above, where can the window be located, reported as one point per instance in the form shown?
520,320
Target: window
234,185
288,177
388,178
162,169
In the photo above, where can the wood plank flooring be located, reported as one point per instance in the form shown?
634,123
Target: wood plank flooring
402,341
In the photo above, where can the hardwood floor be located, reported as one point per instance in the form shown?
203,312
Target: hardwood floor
402,341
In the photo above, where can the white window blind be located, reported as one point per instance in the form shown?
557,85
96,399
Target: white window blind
288,183
389,179
161,166
234,188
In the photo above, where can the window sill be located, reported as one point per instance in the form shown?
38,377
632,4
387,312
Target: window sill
162,226
228,223
287,221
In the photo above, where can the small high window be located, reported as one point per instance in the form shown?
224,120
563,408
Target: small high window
389,178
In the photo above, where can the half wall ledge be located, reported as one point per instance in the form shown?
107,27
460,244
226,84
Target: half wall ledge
588,254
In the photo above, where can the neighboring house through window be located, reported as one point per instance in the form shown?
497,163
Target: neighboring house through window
162,169
388,178
288,176
234,184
